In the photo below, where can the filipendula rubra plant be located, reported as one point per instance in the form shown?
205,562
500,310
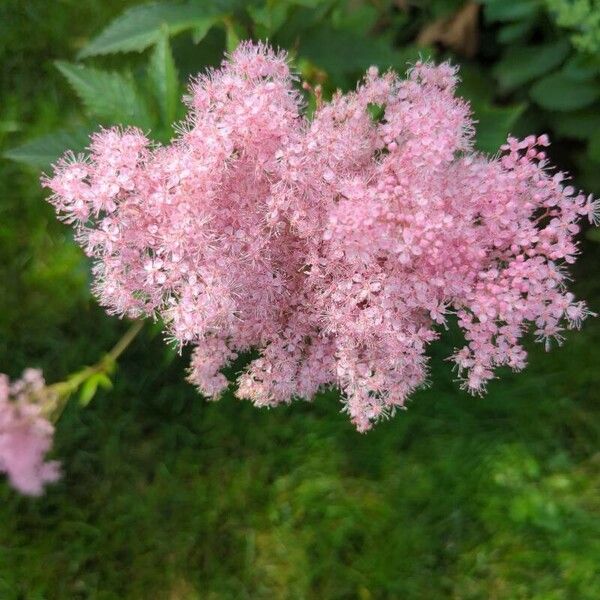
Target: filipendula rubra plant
336,246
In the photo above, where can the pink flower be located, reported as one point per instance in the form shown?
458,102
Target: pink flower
337,246
25,435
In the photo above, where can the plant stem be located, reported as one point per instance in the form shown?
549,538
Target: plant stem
57,395
124,342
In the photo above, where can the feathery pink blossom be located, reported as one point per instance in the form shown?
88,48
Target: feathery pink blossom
25,435
337,246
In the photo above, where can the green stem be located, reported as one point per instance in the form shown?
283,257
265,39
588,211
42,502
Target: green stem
124,342
57,395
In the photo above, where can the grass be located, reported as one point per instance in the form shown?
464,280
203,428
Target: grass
167,496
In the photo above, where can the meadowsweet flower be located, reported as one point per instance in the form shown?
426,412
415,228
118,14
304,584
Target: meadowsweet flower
336,246
25,435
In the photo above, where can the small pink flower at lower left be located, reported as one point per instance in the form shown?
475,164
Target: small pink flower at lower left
25,433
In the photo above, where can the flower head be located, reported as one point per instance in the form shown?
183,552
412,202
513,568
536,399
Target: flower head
336,246
25,435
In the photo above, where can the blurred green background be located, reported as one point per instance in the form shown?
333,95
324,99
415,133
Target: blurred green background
167,496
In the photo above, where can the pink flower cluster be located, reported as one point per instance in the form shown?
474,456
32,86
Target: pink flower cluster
25,435
336,245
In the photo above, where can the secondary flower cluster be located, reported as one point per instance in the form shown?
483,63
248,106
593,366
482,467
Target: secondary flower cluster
25,434
338,245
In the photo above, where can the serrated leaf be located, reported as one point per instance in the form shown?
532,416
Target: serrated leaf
110,96
268,18
202,27
41,152
163,77
140,27
520,65
560,92
494,125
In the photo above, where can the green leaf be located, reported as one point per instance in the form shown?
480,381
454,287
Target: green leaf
522,64
341,51
9,126
111,97
234,33
268,18
581,124
582,67
494,125
41,152
510,10
90,387
202,27
594,146
513,32
104,381
475,84
558,91
88,391
141,26
376,112
308,3
163,77
361,18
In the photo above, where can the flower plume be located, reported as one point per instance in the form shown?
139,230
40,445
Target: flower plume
25,434
336,246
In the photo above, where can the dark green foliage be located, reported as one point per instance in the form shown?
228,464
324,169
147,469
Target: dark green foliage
522,64
142,26
46,149
168,496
